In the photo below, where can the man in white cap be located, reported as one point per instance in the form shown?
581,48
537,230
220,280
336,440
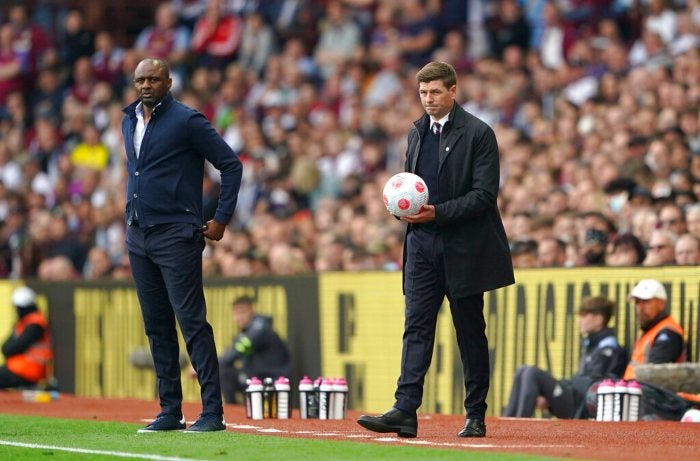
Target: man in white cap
28,349
661,340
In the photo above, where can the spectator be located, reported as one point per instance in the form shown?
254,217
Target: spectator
661,248
661,339
557,38
28,351
339,39
77,41
257,43
671,218
216,36
167,40
687,250
692,219
90,153
13,67
46,99
257,350
108,59
29,39
98,265
508,27
625,250
601,357
551,252
417,32
593,249
524,253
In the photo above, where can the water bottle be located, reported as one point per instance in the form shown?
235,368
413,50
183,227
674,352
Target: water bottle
634,389
340,398
269,400
606,389
282,391
254,399
331,399
620,401
324,398
306,388
313,407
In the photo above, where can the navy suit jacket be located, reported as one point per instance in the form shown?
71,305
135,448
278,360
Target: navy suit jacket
165,181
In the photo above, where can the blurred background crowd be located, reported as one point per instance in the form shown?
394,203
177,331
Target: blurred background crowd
595,105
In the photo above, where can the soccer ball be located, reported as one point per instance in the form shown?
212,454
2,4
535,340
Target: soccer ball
691,416
405,194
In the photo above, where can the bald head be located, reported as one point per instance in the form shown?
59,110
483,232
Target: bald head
152,81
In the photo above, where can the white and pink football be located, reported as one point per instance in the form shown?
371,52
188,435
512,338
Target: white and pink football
405,194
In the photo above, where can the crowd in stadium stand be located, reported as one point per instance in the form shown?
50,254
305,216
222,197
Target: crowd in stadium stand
595,104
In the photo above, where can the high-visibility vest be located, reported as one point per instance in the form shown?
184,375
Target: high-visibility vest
32,363
640,354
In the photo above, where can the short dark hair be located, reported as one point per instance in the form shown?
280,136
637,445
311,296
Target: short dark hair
243,300
438,71
597,305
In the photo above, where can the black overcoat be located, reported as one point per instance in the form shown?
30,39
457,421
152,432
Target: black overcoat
477,255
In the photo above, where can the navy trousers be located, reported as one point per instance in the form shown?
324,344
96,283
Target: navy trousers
425,287
529,383
166,262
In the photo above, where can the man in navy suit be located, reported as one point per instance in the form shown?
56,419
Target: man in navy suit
166,145
455,246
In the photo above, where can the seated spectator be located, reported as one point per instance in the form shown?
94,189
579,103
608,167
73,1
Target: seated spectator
661,339
692,218
98,264
602,357
257,350
27,351
671,217
524,253
625,250
687,250
593,248
661,248
551,252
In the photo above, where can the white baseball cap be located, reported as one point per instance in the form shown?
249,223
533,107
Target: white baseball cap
648,289
23,297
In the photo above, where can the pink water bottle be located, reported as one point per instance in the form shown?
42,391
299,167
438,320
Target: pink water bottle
254,399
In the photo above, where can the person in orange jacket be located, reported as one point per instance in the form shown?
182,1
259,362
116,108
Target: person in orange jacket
661,339
28,350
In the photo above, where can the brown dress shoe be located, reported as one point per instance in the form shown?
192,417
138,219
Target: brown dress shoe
395,420
473,428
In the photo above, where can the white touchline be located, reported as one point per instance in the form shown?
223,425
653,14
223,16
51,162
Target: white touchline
117,454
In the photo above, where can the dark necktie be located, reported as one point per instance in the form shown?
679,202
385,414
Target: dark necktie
436,128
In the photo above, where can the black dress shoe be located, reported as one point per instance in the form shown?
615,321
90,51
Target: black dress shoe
395,420
473,428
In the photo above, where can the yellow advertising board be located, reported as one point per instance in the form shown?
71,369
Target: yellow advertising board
533,322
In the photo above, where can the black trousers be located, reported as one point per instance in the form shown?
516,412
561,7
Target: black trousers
425,286
166,262
10,380
529,383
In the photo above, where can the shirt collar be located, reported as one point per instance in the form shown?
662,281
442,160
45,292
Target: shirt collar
441,121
